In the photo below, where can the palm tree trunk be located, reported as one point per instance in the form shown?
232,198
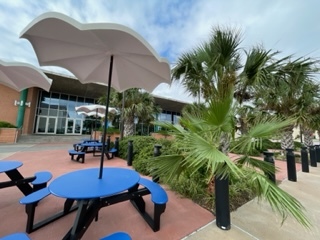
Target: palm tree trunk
287,139
128,127
308,137
224,144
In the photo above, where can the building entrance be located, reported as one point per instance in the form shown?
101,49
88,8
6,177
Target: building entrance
56,114
46,125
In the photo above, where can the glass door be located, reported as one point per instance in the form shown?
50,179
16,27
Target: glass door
73,126
46,125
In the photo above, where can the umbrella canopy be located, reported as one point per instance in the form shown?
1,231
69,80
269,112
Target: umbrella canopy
92,114
95,109
105,53
86,50
20,76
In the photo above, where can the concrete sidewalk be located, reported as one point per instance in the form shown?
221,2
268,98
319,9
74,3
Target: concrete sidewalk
257,221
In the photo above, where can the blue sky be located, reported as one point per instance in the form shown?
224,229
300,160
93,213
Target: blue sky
173,27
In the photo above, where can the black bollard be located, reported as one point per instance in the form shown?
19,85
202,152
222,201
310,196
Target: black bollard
156,153
291,165
116,146
222,203
304,159
313,159
108,143
317,149
268,157
130,153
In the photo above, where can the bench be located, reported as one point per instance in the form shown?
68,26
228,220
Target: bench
31,202
77,146
80,155
117,236
41,180
16,236
158,196
111,151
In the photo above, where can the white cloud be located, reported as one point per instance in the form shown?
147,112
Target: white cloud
173,27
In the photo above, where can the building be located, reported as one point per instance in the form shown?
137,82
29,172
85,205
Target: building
54,112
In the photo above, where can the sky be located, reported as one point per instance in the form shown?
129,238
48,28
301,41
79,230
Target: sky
173,27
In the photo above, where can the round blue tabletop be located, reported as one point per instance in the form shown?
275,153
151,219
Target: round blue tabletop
6,166
85,184
92,144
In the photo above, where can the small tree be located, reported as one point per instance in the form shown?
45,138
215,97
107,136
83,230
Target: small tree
200,137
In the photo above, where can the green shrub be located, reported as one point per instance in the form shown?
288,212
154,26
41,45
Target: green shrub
240,192
110,130
193,185
297,145
4,124
143,147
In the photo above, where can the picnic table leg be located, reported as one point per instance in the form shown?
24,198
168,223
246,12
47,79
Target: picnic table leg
87,211
15,175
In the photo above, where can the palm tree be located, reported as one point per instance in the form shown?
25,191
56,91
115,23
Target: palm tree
289,93
199,139
137,104
210,67
214,70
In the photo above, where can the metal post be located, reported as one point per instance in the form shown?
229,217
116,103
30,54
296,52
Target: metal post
291,165
304,159
108,143
222,203
268,157
116,146
317,148
313,160
130,153
156,153
122,117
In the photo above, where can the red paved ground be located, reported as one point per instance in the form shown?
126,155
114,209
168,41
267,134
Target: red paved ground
181,217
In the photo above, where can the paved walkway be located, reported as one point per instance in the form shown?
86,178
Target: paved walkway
182,219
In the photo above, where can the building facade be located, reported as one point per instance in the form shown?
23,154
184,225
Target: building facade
54,112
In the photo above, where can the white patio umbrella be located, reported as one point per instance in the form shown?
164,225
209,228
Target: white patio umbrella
105,53
20,76
91,114
95,110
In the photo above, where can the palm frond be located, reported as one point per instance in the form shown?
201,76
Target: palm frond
279,200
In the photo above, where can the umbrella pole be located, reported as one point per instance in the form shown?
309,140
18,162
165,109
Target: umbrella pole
91,131
106,118
95,124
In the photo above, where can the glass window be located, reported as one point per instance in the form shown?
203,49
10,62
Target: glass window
63,102
43,111
44,100
61,106
80,100
53,112
62,113
89,100
61,125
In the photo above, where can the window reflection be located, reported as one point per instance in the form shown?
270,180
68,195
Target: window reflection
61,110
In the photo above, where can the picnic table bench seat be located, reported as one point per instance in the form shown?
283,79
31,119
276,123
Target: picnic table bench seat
77,146
111,153
158,196
80,155
31,201
42,178
117,236
16,236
